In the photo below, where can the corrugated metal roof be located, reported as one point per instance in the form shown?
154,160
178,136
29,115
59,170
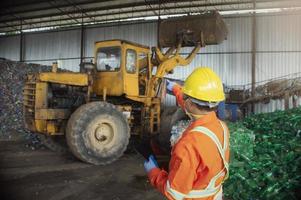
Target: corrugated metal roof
41,14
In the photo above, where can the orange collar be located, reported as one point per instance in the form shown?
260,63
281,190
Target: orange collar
208,118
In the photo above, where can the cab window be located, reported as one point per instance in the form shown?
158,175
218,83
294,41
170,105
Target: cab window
108,59
131,58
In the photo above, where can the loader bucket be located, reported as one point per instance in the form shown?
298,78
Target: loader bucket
208,27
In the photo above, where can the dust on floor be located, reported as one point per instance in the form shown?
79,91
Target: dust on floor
42,174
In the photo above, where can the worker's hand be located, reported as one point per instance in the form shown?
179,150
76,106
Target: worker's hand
150,164
169,85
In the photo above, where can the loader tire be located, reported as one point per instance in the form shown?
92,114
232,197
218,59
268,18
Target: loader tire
177,116
170,117
166,117
54,143
97,133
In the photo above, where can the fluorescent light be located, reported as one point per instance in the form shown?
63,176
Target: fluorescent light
264,10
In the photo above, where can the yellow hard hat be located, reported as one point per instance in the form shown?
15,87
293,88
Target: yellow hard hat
205,85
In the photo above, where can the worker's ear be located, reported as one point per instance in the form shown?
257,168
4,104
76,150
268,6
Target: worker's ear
188,104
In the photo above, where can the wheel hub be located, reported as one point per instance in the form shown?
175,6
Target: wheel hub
104,133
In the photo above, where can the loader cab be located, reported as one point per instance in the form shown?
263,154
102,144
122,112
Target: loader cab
122,68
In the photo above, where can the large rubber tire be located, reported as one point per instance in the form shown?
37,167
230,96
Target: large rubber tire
54,143
177,116
97,133
169,117
166,117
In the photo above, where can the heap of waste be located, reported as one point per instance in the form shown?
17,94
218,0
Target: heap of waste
12,77
265,157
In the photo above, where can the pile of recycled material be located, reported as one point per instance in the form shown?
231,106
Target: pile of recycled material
12,77
265,157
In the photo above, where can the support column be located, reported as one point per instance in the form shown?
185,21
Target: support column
82,37
295,99
21,56
158,25
286,100
254,49
82,34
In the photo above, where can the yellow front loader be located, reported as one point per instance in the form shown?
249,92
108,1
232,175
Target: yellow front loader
117,95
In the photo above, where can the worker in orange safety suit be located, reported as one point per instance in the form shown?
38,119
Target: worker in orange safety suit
200,157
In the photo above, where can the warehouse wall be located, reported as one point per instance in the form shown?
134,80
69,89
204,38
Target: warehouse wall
10,48
279,44
279,52
278,49
45,48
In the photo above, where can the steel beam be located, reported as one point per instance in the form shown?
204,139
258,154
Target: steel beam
254,49
130,5
59,9
63,5
90,16
24,3
120,12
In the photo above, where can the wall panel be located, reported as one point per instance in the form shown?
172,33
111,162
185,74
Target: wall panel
278,45
53,46
279,33
10,47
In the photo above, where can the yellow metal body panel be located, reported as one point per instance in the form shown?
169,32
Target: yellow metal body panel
49,114
52,128
41,126
119,82
112,82
41,95
43,114
69,78
41,103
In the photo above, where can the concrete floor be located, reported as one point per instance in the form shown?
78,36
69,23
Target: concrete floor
42,174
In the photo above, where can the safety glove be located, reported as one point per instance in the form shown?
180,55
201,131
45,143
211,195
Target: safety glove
170,85
150,164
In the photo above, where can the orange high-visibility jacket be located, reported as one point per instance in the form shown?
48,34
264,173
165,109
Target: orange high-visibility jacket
195,159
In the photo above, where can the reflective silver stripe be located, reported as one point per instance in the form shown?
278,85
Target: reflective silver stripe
225,146
215,139
225,136
193,193
174,193
222,150
203,193
211,189
219,195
